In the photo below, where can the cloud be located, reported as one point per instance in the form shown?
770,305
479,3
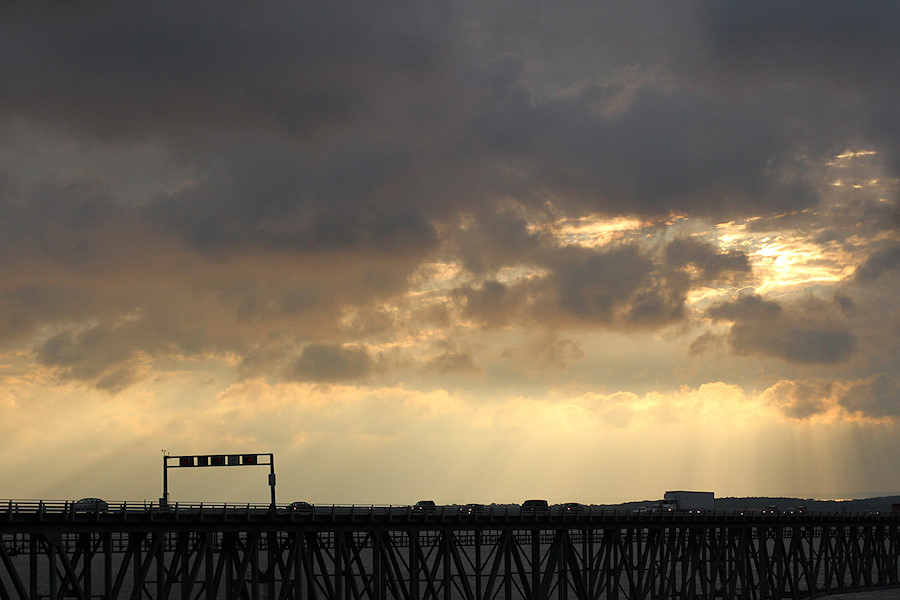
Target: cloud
747,307
877,396
668,151
710,263
545,356
440,129
843,43
705,343
882,260
802,343
265,197
595,286
493,304
96,355
130,70
331,363
841,53
805,335
317,161
801,400
619,285
453,362
496,239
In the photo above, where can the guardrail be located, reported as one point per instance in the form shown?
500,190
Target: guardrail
69,509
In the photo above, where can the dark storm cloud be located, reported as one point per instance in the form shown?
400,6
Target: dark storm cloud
267,196
498,238
878,396
329,151
402,80
27,306
839,62
622,286
810,333
800,399
874,397
750,307
832,41
881,261
801,342
60,221
592,286
332,363
631,288
668,151
708,342
493,304
99,355
121,70
709,262
244,94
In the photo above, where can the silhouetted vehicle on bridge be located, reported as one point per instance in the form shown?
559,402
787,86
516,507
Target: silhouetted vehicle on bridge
300,508
90,505
572,508
472,509
424,506
535,506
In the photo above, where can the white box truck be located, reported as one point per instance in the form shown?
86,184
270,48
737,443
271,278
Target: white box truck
689,500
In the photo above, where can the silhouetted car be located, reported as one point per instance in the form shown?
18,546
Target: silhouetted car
90,505
426,506
572,508
535,506
472,509
300,508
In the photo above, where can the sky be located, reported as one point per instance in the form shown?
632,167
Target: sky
464,251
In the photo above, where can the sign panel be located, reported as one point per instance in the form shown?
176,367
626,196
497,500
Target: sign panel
214,460
218,460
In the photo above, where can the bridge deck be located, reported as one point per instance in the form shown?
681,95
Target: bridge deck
16,514
143,550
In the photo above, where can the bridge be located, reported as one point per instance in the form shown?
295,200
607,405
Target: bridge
144,550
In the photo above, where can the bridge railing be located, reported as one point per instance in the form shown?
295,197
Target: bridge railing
30,508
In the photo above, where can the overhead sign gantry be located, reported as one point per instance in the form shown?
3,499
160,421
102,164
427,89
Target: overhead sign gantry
216,460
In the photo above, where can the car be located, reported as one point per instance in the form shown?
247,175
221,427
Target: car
300,508
572,508
90,505
535,506
471,509
426,506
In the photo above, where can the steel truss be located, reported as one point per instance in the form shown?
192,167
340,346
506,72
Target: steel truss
453,561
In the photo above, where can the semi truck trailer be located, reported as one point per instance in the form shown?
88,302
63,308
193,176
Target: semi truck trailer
682,500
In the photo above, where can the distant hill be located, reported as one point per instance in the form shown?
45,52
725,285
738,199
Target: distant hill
882,503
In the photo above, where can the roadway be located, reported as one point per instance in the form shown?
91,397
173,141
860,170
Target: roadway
131,511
